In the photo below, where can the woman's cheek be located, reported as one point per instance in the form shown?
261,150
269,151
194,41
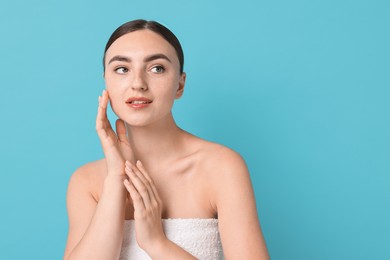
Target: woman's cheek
115,102
115,109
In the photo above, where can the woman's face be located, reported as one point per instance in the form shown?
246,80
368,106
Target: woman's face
142,77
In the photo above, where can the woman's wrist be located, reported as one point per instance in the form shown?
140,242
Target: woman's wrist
114,177
158,248
166,249
114,183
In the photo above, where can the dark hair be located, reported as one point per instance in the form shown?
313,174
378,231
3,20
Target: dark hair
154,26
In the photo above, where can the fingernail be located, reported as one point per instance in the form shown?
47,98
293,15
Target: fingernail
139,162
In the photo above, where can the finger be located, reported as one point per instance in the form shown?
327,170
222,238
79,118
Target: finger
139,186
135,196
141,167
139,174
121,130
103,103
123,141
101,120
103,125
149,180
141,183
154,202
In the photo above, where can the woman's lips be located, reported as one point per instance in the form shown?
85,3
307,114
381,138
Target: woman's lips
138,102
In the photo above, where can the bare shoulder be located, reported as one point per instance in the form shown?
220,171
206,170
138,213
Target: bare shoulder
222,165
90,177
221,159
234,200
224,173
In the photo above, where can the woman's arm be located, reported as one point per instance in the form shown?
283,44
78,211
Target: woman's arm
96,229
169,250
239,226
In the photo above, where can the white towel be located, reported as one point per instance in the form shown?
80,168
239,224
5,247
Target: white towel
198,236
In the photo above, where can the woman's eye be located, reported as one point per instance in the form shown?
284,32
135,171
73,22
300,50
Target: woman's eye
158,69
121,70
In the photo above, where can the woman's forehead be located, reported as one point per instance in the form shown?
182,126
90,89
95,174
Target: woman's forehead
141,43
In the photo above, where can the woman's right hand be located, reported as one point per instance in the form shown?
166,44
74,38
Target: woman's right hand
116,146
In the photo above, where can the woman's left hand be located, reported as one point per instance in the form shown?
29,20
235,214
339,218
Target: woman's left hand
147,207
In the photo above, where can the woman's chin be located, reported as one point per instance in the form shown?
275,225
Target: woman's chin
135,123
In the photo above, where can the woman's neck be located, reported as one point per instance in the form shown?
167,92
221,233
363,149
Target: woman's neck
155,142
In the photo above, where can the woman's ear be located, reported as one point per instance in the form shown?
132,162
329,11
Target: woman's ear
182,82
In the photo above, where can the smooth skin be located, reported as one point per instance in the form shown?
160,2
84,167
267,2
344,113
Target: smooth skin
153,169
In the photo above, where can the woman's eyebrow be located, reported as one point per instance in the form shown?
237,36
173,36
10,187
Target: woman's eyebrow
156,56
119,58
146,59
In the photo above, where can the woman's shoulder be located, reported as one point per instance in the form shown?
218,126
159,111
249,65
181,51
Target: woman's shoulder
223,169
216,156
91,170
90,176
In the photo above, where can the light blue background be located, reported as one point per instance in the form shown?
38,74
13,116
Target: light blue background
299,88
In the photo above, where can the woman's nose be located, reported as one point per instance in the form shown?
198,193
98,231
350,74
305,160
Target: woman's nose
139,82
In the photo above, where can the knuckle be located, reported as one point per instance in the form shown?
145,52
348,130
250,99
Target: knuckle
149,211
155,205
143,189
137,198
142,179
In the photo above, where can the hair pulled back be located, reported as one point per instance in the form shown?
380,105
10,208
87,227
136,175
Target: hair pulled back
154,26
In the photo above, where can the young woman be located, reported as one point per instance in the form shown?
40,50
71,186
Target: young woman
160,192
